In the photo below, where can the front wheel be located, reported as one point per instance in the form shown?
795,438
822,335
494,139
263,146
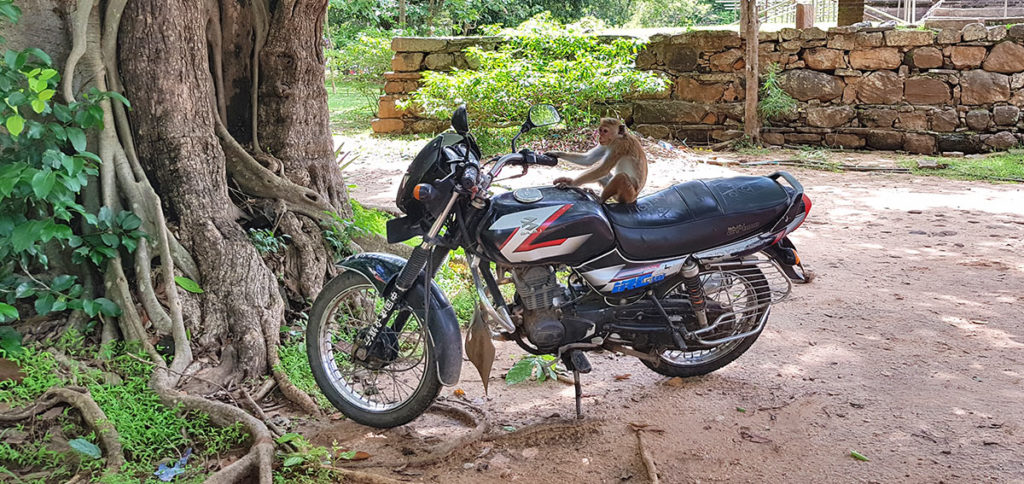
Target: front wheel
739,290
398,382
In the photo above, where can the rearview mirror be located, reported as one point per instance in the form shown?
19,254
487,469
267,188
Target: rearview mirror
543,115
460,120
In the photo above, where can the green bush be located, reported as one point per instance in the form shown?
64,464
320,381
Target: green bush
542,61
774,101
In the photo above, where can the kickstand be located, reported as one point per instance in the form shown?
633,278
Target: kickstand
579,394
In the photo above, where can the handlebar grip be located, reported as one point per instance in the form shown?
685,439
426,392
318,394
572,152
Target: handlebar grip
547,160
469,177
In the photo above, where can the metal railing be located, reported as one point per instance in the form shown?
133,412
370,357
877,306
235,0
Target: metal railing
784,11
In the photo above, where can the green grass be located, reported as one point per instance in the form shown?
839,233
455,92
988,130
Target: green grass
295,364
149,431
352,105
1007,166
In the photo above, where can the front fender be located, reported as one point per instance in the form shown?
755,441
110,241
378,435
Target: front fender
442,324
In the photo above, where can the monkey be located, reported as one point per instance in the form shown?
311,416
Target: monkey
616,149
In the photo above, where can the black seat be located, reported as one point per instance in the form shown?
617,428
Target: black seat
696,215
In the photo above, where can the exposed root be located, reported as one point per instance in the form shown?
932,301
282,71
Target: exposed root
261,26
272,335
350,475
79,28
645,455
91,413
254,179
469,414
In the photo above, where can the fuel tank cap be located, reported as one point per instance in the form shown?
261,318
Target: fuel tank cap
527,195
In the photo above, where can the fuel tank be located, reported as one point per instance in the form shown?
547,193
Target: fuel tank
545,225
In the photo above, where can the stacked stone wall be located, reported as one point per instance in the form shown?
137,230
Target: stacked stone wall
921,91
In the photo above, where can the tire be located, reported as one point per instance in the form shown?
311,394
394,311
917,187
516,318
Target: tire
338,313
686,364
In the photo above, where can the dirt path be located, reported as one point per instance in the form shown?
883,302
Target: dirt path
906,348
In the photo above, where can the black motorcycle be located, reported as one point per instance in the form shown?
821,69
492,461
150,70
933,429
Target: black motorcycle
684,279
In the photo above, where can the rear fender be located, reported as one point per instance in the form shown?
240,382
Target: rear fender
442,324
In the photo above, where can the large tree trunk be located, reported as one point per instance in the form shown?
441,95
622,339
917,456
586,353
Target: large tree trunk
749,30
167,76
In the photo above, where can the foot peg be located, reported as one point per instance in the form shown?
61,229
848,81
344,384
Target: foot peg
576,360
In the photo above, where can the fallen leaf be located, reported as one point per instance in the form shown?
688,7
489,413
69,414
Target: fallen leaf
741,410
859,456
459,393
752,437
624,376
479,347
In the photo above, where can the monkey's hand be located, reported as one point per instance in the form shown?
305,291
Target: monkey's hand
563,182
555,154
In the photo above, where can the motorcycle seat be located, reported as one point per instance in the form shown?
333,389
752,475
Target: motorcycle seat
696,215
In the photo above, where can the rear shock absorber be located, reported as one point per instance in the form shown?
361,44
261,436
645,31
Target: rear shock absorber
695,291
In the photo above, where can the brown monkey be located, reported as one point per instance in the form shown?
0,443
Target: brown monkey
616,149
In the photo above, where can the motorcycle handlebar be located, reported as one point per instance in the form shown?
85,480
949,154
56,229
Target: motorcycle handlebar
546,160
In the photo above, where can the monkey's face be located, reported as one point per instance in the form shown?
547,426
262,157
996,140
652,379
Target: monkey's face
605,134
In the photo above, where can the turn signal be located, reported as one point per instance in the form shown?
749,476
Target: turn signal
423,192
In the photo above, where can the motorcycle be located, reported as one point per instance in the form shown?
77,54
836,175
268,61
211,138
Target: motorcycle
683,280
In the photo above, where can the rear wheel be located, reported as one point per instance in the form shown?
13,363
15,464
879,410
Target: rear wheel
737,290
399,384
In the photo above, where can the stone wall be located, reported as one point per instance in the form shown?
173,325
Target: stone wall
921,91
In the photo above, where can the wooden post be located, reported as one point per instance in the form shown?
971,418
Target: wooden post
851,12
749,30
804,15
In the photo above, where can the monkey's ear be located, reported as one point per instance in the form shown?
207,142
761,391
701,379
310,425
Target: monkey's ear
622,129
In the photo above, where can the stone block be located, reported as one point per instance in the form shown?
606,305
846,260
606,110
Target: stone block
680,58
822,59
851,141
418,44
1017,81
387,107
921,144
1017,32
430,126
848,73
406,61
997,33
927,90
962,142
657,112
926,57
804,85
790,46
913,121
1003,140
802,138
842,42
978,119
830,117
656,131
647,59
981,87
878,118
885,140
728,61
726,134
689,89
967,57
400,87
387,125
871,59
439,61
880,87
973,32
948,36
1005,115
789,34
708,40
868,39
813,33
905,38
945,120
1006,57
773,138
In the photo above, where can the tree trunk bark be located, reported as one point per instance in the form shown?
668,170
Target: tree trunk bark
851,12
749,23
166,74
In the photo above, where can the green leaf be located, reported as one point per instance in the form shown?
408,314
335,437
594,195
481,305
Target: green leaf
62,282
9,176
10,341
284,439
25,289
520,372
859,456
86,448
8,312
46,94
294,460
128,220
40,54
119,97
38,105
188,284
110,239
107,307
77,138
24,235
47,74
42,182
15,124
44,305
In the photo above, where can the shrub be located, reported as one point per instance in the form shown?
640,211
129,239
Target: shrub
774,100
542,61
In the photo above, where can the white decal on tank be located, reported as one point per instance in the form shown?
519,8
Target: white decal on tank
522,244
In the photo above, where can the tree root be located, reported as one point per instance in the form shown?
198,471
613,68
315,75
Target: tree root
645,455
350,475
91,413
470,414
79,26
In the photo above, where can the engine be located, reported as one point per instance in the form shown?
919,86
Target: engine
540,293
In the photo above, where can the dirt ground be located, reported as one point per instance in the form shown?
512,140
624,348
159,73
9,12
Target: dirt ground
906,348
